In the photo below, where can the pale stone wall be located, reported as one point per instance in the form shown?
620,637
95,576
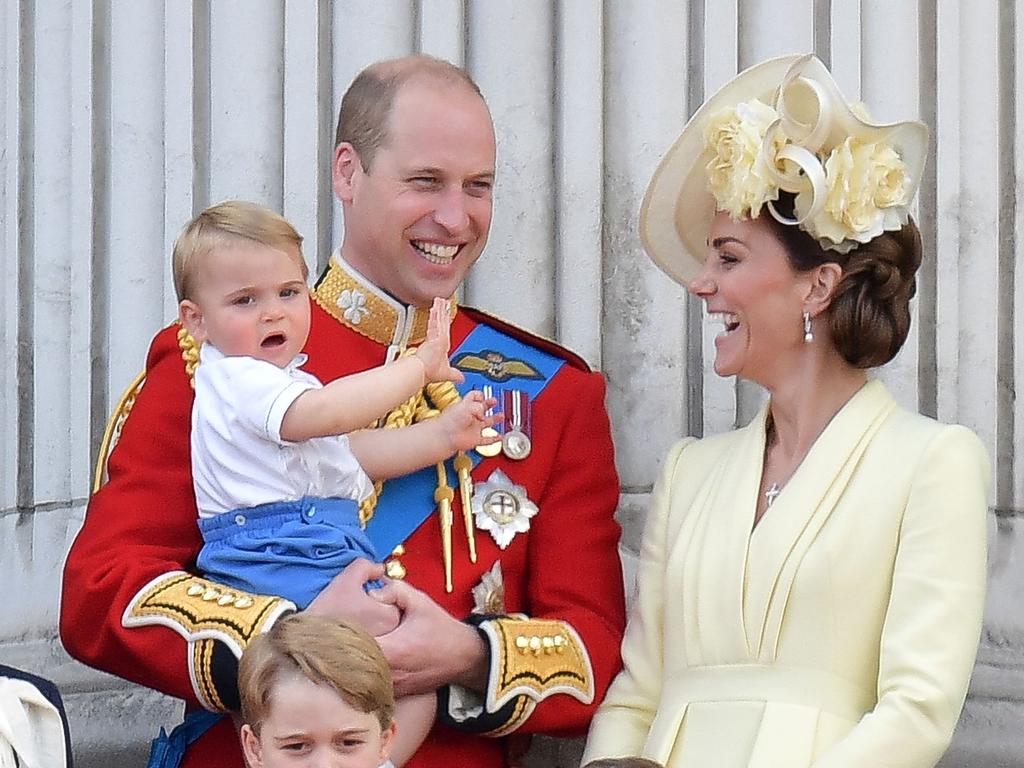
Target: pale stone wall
119,118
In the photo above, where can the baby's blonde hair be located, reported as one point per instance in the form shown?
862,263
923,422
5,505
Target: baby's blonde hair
224,223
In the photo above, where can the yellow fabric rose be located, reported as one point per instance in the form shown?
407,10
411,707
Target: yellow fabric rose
736,172
864,179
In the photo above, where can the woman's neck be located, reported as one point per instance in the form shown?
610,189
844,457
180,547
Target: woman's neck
803,405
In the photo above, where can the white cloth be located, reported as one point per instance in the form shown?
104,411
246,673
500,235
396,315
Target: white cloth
30,727
238,457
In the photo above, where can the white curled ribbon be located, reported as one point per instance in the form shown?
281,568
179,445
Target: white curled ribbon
809,175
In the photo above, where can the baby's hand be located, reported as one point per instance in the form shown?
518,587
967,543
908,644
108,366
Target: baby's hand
433,352
464,421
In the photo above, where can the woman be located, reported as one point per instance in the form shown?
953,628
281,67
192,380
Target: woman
810,586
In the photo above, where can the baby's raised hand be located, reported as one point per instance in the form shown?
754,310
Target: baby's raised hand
463,421
433,352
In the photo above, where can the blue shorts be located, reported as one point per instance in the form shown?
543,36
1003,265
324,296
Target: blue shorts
290,548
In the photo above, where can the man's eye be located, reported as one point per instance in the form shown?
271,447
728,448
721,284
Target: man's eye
424,181
480,188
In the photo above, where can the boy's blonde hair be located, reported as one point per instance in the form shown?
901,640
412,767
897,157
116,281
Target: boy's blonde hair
326,651
224,223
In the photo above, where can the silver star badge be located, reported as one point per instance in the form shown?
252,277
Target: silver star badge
489,594
502,508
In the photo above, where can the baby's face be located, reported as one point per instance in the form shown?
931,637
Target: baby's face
251,300
311,725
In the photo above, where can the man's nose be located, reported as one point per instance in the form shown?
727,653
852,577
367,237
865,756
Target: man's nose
451,211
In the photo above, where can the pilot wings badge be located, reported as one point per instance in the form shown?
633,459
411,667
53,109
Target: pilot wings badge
495,366
502,508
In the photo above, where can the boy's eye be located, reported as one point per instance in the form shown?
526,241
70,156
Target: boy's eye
287,292
242,300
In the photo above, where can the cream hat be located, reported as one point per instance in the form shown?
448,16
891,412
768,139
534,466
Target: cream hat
781,125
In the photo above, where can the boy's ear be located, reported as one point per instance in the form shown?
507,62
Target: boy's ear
387,740
191,316
251,747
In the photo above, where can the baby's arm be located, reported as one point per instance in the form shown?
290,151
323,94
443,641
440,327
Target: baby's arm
352,402
387,453
414,716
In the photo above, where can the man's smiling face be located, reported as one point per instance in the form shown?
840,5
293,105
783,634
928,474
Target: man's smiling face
418,219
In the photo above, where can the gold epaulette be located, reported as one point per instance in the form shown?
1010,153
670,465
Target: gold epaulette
114,426
203,611
533,659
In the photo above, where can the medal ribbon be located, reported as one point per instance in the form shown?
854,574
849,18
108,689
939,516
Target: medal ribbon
406,502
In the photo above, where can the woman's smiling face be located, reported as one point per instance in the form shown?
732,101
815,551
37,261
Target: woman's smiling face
748,284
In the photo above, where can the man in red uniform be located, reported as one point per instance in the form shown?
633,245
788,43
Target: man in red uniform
505,566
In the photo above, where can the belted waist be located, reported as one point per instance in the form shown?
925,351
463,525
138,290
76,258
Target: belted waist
802,686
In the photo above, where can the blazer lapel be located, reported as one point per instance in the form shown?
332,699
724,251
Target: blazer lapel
715,560
798,514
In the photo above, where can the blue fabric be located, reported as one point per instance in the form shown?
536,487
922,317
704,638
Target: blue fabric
168,750
409,500
292,549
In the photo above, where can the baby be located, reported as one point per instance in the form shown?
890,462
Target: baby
278,481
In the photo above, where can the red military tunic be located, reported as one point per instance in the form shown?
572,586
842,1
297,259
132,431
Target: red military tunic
130,605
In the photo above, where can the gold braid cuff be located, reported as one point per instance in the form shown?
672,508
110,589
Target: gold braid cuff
534,659
202,611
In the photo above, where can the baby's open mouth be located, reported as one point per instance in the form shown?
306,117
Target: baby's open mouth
273,341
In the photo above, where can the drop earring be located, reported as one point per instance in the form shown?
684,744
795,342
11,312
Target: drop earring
808,333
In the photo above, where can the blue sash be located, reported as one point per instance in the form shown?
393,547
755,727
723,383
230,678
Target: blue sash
406,502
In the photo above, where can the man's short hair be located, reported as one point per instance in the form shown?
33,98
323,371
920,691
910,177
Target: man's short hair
366,105
326,651
225,223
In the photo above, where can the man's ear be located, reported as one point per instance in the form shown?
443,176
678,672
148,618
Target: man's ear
251,747
344,170
824,279
191,316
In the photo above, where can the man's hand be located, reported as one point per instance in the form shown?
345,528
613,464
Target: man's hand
345,598
429,649
433,352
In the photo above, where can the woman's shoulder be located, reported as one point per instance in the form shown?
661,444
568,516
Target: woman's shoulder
704,450
934,447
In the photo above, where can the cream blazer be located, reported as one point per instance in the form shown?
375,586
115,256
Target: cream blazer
840,633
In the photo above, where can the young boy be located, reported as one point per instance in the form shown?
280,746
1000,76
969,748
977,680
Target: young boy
315,691
278,482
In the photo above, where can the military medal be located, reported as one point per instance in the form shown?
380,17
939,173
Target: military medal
502,508
491,449
516,442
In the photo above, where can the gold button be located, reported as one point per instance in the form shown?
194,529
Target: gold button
243,602
398,551
394,570
211,594
195,589
522,643
225,600
535,644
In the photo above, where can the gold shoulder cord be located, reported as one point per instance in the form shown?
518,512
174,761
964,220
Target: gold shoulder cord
190,354
426,404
